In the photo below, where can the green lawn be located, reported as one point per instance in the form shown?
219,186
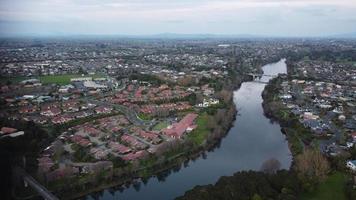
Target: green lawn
144,116
199,134
63,79
4,80
332,189
49,79
160,126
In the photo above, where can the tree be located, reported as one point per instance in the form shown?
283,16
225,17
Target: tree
82,71
211,122
250,185
192,99
271,166
220,115
312,165
225,95
186,81
199,98
256,197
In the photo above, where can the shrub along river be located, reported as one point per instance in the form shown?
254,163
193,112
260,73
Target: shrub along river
252,140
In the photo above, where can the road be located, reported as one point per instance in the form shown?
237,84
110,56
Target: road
129,113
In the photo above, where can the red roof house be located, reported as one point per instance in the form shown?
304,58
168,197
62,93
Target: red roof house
178,129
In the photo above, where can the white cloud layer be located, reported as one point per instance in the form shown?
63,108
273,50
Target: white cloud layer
268,17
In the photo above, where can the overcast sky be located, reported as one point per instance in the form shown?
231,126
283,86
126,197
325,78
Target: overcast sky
142,17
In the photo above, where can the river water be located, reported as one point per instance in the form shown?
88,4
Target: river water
252,140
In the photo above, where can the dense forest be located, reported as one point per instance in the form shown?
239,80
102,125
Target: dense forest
247,185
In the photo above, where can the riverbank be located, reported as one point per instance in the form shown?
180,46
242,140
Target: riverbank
154,169
154,166
297,135
337,182
255,182
301,184
143,175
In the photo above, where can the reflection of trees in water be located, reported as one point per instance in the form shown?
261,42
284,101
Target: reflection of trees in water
271,166
161,177
137,185
97,195
121,189
127,184
177,168
145,180
216,146
115,188
186,163
112,190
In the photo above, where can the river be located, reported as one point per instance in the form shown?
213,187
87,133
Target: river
252,140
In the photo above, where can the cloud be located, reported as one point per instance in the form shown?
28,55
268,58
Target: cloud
174,21
140,16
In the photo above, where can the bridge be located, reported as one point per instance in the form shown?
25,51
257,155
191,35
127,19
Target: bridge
29,180
254,75
259,81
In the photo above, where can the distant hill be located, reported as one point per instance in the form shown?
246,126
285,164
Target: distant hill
182,36
202,36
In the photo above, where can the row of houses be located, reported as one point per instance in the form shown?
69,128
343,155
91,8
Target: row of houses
319,104
136,94
156,108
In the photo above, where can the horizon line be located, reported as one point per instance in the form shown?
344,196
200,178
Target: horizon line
168,35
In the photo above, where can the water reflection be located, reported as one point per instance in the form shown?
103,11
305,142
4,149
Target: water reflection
252,140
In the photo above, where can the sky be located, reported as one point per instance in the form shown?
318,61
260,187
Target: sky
147,17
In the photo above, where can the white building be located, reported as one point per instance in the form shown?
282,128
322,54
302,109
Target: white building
92,84
208,102
81,79
351,164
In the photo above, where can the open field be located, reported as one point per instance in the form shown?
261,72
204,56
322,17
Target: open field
331,189
199,134
62,79
160,126
4,80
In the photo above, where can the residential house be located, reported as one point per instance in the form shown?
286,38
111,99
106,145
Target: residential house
351,164
177,130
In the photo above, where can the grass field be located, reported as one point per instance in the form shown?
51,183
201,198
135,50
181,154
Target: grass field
63,79
49,79
4,80
144,116
333,188
160,126
199,134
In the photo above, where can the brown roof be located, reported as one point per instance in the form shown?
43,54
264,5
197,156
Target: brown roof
8,130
